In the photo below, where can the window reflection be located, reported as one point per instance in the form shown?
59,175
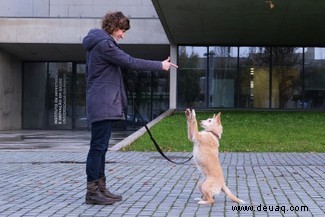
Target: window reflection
148,95
80,101
314,81
191,77
286,83
254,74
55,96
256,77
222,73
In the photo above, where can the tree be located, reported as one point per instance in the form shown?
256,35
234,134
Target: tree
188,78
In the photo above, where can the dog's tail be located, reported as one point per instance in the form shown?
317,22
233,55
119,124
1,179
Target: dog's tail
231,195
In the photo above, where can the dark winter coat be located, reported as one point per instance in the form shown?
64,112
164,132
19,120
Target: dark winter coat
106,97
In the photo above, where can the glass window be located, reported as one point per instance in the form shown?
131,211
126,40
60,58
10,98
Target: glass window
34,95
286,73
80,109
314,82
148,95
254,77
160,93
47,95
59,96
222,76
192,77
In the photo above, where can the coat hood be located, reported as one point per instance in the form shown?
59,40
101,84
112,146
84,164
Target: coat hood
93,37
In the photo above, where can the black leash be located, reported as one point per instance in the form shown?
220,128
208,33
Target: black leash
160,151
150,134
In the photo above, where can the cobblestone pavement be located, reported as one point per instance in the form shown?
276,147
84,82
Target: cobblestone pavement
50,182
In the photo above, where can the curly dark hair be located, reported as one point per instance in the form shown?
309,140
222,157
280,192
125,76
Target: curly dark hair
113,21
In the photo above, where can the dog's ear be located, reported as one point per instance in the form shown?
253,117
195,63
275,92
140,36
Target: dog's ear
218,118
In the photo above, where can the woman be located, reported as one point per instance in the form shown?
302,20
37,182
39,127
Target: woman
106,97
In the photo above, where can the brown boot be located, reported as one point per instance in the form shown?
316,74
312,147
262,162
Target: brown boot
95,196
106,192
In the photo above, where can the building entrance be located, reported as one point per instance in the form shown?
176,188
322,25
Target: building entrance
53,96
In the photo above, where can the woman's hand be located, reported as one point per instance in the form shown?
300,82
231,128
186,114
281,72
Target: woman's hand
166,64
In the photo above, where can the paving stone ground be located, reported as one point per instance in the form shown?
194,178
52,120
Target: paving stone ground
42,173
51,182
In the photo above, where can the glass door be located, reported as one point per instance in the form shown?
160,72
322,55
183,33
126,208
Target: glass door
59,96
47,95
80,98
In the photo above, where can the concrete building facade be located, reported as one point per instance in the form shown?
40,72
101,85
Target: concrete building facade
38,32
230,54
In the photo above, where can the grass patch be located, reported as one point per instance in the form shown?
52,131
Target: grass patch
244,131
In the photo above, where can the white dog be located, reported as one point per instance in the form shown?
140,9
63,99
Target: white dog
205,155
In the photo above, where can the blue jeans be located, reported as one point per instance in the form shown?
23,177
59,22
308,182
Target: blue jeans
100,135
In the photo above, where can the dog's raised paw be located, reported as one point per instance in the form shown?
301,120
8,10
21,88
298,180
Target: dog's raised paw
188,114
193,113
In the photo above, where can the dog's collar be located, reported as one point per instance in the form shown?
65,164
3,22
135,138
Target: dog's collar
216,135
